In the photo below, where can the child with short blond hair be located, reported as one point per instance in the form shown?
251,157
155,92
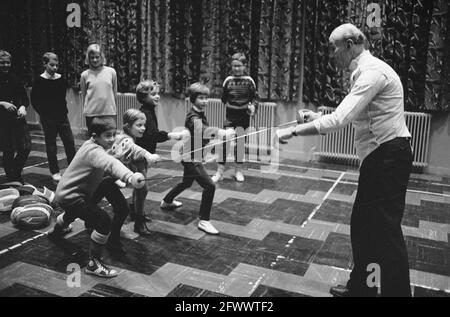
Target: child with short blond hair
137,159
147,94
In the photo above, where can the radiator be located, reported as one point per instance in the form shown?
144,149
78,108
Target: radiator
32,117
340,145
264,119
124,102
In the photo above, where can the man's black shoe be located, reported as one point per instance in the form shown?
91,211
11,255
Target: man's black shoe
340,291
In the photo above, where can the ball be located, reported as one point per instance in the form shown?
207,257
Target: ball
34,216
29,200
7,198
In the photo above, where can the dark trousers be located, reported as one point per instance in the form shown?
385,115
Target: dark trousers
91,213
196,171
240,121
53,127
376,233
109,190
16,145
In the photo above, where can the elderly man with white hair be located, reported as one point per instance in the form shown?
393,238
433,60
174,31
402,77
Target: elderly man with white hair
375,106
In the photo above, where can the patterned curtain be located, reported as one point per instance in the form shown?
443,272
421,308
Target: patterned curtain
200,37
412,39
177,42
30,28
155,48
114,25
280,49
214,54
437,87
405,46
323,86
230,26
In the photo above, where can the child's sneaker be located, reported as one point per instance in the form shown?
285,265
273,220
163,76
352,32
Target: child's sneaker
218,177
56,177
207,227
96,267
173,205
58,232
67,230
239,176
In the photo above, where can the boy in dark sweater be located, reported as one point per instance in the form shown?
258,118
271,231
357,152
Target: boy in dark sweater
48,98
147,94
200,132
15,140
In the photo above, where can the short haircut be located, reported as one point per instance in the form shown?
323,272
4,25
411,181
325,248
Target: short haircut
239,57
130,117
95,48
347,32
49,56
144,88
197,89
5,54
100,125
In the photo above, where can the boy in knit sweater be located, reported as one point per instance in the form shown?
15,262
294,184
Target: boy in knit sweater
48,98
241,100
82,181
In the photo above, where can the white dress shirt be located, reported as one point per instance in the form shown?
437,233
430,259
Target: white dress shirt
375,106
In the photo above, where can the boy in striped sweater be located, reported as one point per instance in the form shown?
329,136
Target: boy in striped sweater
241,100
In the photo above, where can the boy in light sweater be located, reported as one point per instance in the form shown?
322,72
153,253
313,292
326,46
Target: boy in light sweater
84,179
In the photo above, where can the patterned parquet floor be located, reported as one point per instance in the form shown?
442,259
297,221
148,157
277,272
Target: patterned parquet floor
283,234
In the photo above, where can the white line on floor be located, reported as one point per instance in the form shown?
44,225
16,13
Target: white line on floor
323,200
